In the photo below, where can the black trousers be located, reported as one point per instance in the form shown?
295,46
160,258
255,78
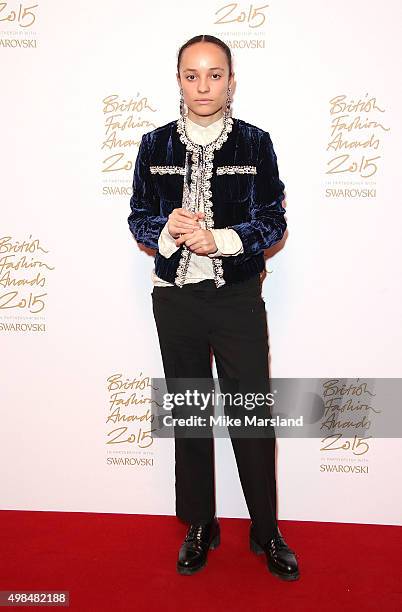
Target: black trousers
192,323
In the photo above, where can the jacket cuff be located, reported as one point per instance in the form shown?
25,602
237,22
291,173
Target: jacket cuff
228,242
166,242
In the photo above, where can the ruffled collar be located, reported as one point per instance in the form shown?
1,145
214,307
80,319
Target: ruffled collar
201,134
212,136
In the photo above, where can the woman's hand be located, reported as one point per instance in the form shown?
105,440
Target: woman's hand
182,221
200,241
184,226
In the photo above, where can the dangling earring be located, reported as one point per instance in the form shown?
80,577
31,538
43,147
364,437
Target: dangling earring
227,110
182,111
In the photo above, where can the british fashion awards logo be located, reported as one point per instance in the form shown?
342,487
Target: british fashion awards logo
242,25
348,425
129,421
24,272
18,22
125,120
357,127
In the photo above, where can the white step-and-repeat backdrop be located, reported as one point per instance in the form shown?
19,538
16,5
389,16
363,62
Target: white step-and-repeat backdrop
81,83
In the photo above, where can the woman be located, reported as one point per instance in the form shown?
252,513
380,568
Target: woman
208,198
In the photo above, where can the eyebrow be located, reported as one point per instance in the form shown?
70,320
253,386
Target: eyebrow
195,69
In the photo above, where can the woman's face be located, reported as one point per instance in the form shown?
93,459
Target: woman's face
204,77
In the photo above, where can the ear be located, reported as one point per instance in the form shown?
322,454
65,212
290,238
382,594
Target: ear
178,79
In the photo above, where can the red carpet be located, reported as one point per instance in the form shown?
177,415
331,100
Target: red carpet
121,562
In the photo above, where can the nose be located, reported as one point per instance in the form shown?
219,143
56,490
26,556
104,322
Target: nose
203,85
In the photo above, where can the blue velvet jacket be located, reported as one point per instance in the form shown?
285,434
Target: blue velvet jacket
240,186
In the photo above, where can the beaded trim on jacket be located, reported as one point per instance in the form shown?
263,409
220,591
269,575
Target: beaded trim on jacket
166,170
201,172
236,170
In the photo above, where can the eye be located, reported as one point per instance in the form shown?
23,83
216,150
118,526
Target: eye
215,74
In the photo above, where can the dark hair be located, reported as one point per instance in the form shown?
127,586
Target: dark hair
206,38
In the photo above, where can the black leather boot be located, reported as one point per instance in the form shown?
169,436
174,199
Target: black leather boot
281,559
194,550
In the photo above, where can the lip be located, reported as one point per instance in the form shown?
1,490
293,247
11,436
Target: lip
203,101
